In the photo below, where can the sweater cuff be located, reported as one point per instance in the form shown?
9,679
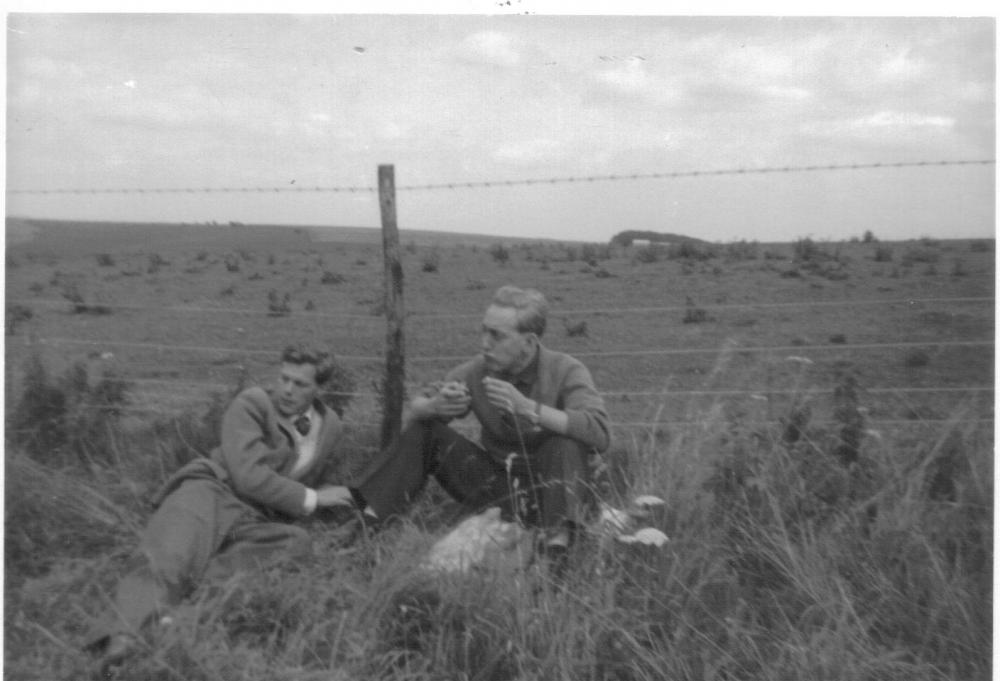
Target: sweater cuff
311,498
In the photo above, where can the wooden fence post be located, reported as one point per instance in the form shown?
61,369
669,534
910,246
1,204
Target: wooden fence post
394,350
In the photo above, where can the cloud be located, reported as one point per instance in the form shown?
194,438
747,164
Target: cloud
902,119
880,125
529,151
391,131
789,93
489,47
634,78
902,68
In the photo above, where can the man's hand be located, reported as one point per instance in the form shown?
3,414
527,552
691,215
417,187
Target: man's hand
505,397
334,495
451,400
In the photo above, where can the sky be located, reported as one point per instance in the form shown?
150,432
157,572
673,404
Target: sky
280,101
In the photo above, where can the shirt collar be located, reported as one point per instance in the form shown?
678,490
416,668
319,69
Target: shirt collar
312,413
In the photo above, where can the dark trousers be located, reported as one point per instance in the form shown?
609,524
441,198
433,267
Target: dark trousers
200,530
547,487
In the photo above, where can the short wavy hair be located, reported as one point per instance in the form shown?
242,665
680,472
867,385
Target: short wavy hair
304,354
530,306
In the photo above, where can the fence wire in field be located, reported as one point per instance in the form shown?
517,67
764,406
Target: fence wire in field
168,373
151,392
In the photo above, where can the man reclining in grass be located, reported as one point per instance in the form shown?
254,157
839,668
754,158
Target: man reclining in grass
233,509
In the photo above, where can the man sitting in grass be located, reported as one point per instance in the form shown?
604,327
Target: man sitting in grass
541,417
233,509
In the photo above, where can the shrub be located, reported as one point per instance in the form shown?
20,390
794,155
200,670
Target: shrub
277,305
916,358
339,389
807,250
958,269
690,250
694,314
741,250
105,260
71,292
155,262
981,246
883,253
575,329
232,262
595,252
922,255
431,262
499,253
869,237
329,277
69,418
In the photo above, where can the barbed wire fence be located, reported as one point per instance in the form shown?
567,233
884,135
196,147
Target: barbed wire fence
165,386
486,184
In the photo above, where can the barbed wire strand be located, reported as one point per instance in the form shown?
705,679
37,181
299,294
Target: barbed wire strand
632,424
596,354
487,184
206,385
416,316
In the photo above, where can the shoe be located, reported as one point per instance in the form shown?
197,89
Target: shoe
554,551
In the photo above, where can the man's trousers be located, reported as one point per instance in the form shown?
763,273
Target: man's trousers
546,487
200,530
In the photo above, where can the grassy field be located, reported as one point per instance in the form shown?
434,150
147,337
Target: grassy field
818,417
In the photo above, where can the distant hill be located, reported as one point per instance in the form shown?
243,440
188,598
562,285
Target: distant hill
64,237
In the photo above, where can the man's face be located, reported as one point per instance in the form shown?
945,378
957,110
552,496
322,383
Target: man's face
297,388
504,348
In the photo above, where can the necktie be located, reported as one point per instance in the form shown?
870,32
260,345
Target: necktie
302,424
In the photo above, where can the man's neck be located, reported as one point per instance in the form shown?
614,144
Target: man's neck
525,363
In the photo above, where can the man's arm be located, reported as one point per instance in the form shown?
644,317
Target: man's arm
252,462
448,399
582,417
586,417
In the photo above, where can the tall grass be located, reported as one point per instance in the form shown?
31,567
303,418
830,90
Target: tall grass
785,562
